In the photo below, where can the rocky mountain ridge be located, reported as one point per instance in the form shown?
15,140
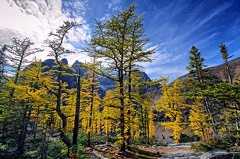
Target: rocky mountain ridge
105,83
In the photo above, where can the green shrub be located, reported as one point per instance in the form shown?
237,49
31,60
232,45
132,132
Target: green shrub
56,149
118,143
161,144
143,152
82,139
211,144
97,138
142,141
185,138
111,139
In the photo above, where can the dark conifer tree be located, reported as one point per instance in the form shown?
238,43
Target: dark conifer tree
3,62
199,80
225,57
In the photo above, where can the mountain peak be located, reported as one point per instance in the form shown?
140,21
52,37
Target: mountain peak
65,61
76,63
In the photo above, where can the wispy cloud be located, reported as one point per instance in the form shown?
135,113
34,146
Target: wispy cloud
176,25
165,71
75,8
113,5
180,25
35,19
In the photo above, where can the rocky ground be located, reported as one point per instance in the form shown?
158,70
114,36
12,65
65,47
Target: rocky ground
172,151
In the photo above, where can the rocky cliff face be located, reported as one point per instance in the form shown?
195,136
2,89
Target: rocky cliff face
71,80
105,83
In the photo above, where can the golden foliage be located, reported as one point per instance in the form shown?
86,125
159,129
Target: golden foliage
172,104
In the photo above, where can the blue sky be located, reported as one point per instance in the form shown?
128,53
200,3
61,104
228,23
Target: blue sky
174,24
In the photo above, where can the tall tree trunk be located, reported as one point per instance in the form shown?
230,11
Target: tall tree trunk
210,112
44,145
148,132
23,131
230,79
146,123
142,120
122,118
4,131
77,113
64,138
129,104
91,113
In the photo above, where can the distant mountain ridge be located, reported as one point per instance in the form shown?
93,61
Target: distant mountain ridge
218,71
105,83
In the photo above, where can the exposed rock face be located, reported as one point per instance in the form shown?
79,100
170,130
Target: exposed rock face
162,134
49,63
105,83
71,80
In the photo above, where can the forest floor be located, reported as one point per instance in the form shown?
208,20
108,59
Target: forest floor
142,151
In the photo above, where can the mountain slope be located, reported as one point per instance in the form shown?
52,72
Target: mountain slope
220,73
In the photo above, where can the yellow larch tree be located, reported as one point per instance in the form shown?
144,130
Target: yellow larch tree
119,42
59,71
151,125
30,88
18,110
147,117
69,108
91,102
172,104
31,92
110,113
198,119
132,126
